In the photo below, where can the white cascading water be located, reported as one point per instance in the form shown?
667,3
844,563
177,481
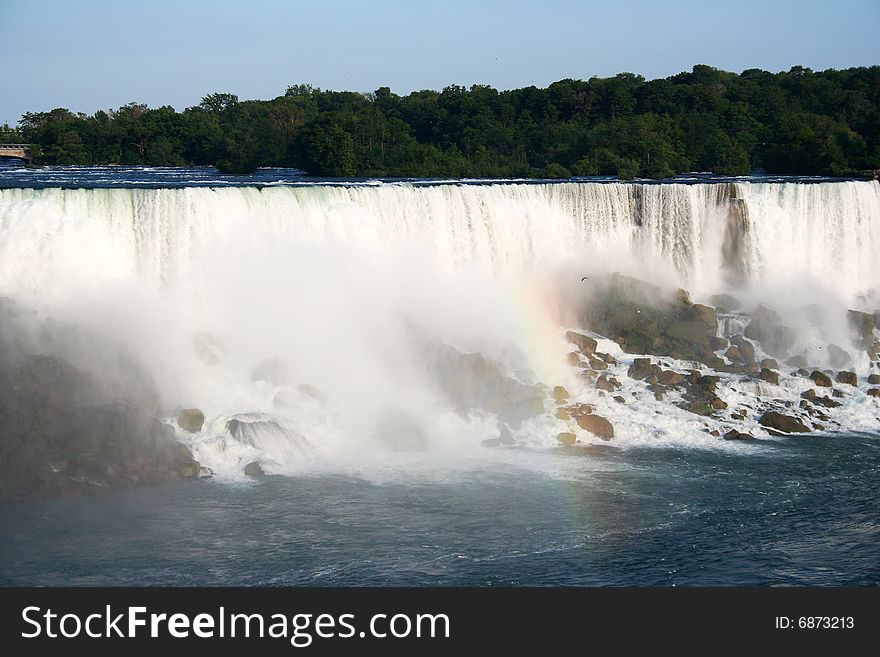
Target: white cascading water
205,284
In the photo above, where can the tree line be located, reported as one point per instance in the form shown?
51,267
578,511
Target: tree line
795,122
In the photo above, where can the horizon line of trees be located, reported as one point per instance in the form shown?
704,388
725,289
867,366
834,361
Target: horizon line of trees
794,122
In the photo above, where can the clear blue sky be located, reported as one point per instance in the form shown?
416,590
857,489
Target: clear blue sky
93,54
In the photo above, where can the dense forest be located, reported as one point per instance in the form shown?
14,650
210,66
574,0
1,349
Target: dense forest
795,122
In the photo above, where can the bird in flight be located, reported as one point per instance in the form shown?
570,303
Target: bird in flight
585,278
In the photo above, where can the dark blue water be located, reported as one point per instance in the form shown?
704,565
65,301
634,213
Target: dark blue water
14,174
804,511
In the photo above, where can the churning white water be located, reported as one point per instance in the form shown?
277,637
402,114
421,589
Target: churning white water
235,299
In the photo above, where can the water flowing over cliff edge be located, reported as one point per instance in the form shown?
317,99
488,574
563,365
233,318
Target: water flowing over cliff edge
320,326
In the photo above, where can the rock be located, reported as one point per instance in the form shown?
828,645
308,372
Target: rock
567,438
642,318
313,392
701,407
715,433
191,419
765,327
849,378
597,363
733,434
873,379
573,358
770,364
821,379
254,469
738,416
658,390
560,394
837,393
797,361
608,358
838,357
809,394
272,370
724,302
874,392
746,348
863,325
733,353
769,376
716,343
718,404
785,424
577,410
802,372
603,383
505,437
694,376
596,425
584,343
640,369
619,399
670,378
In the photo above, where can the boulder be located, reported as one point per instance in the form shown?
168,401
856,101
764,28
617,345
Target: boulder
874,379
724,302
863,325
769,376
505,437
596,425
670,378
584,343
733,353
848,378
821,379
597,363
608,358
770,363
716,343
573,359
733,434
746,348
254,469
874,392
640,369
797,361
837,357
718,404
782,423
191,420
642,318
766,327
560,394
272,370
604,383
619,399
566,438
577,410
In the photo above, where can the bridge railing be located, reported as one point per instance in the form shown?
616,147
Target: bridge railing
24,146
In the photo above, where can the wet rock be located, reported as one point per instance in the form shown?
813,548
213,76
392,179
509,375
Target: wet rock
784,424
670,378
642,318
766,328
746,348
272,370
848,378
562,414
838,357
604,383
863,325
718,404
717,344
191,420
694,376
701,407
619,399
640,369
313,392
874,392
733,434
874,379
724,302
770,364
658,390
715,432
597,425
584,343
573,359
577,410
566,438
598,363
837,393
254,469
769,376
821,379
505,437
733,353
798,361
560,394
608,358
